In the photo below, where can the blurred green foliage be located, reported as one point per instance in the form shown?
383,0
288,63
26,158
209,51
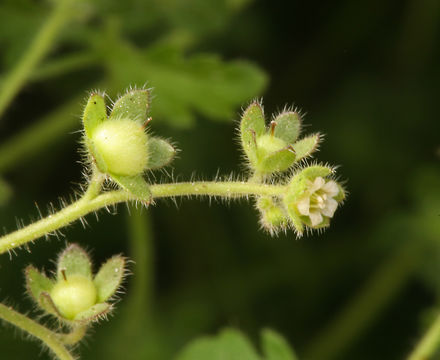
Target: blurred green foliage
366,73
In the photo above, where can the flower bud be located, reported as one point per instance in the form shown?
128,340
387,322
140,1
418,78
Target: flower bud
118,144
274,148
73,295
121,147
76,296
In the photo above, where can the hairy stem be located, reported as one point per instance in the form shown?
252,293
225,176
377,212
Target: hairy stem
74,336
429,343
49,338
40,46
88,204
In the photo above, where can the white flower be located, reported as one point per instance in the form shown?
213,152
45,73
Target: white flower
319,200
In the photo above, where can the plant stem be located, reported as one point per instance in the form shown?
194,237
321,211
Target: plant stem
42,333
429,343
74,336
89,204
40,46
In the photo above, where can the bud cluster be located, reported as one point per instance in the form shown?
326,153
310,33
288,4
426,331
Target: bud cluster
312,195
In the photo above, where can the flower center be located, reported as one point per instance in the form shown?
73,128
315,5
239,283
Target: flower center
318,200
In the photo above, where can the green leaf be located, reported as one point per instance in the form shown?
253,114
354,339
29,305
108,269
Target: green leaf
288,126
275,347
36,283
74,261
160,153
5,192
182,84
133,105
305,147
94,313
278,161
94,113
135,185
251,126
109,277
230,344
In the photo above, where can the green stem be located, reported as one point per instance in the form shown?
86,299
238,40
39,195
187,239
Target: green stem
87,204
429,343
74,336
42,333
361,311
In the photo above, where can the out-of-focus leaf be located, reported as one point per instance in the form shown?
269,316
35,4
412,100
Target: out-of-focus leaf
201,17
230,344
275,347
182,85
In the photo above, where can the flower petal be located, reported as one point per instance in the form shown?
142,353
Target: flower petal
304,206
315,218
331,188
317,184
330,207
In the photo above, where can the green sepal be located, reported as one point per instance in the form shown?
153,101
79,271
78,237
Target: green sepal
280,160
135,185
109,277
36,283
252,125
94,113
288,126
74,261
93,313
312,172
341,194
275,347
97,157
305,147
324,223
294,217
133,105
160,153
47,304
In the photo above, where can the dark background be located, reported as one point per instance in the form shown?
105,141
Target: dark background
366,73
